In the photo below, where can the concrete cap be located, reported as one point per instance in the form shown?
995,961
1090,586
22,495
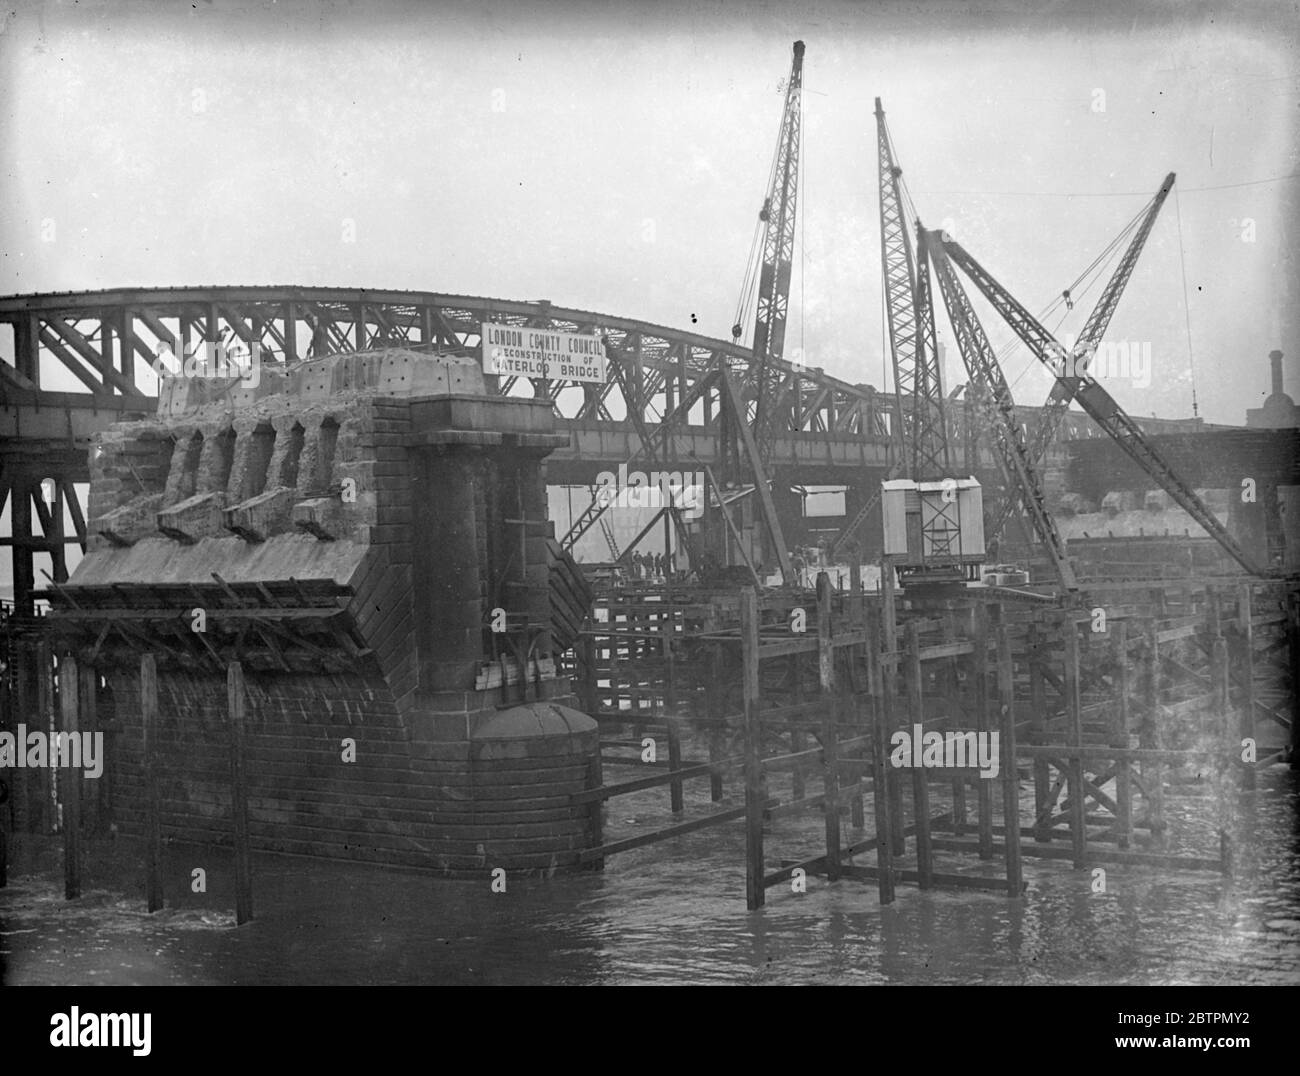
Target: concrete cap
533,720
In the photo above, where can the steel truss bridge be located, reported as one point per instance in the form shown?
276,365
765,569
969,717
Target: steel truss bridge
828,431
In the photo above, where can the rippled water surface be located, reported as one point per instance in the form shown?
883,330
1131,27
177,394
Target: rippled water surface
674,913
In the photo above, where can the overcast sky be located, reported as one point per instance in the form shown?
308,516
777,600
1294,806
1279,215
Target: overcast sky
613,158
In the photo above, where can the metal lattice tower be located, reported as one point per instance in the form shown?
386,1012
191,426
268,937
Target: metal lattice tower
920,434
778,216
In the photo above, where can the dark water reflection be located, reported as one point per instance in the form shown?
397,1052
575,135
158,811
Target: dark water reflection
675,913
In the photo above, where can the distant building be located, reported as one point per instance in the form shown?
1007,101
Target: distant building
1279,410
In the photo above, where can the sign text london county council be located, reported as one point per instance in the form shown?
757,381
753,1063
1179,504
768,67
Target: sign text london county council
522,351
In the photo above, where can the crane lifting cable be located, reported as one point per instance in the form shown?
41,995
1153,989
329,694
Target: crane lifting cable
1092,396
1187,311
1081,284
1080,287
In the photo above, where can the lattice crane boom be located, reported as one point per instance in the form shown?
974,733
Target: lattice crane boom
767,368
1063,391
768,372
1097,402
1099,320
919,428
930,456
921,433
778,216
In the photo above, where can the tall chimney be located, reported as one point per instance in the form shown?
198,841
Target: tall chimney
1276,358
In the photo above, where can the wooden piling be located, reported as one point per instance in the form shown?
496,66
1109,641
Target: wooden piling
920,786
1123,768
153,820
888,604
891,673
668,643
1038,710
830,719
23,783
1010,778
1221,677
45,814
1074,713
1153,781
9,813
70,777
675,764
755,894
857,812
856,610
825,631
881,771
980,691
713,694
236,702
947,678
1293,649
88,722
1246,665
1221,681
1212,723
831,785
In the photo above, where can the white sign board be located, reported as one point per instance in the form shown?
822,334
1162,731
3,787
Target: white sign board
521,351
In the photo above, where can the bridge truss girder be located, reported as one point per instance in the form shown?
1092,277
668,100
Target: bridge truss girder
823,422
102,338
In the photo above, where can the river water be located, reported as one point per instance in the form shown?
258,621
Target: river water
674,913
